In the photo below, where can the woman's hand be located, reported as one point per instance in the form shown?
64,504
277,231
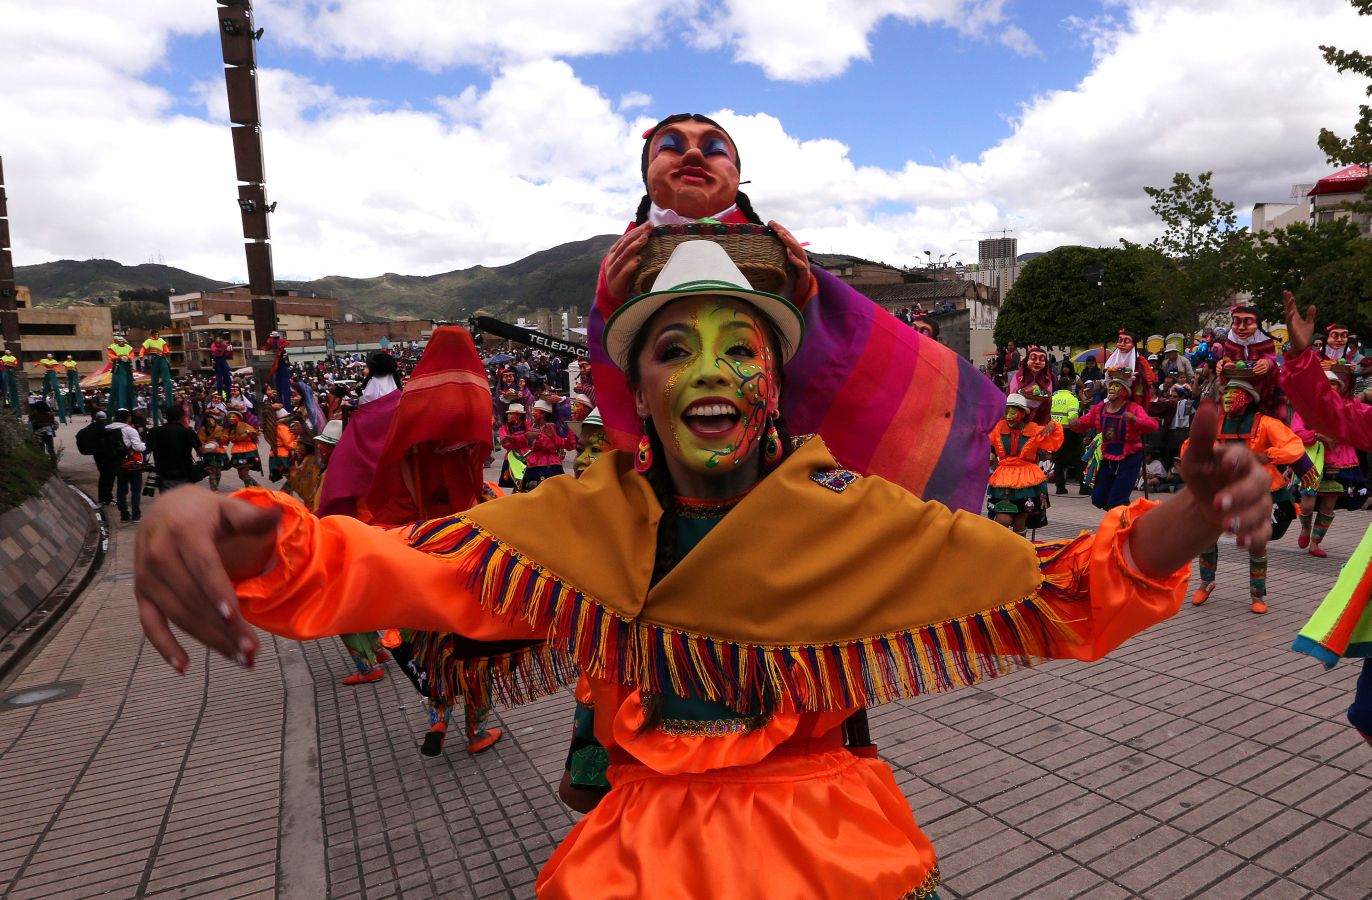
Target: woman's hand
191,546
623,261
1299,329
1226,491
796,258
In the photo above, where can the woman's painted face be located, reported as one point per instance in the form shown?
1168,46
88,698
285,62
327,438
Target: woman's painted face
692,169
540,418
1115,391
1243,325
589,446
1234,400
708,380
1014,416
514,418
1037,361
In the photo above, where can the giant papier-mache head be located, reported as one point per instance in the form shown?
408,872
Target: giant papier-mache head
691,165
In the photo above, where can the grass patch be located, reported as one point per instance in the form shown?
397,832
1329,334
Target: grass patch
24,465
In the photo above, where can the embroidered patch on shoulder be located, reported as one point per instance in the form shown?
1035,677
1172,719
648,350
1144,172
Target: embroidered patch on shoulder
836,480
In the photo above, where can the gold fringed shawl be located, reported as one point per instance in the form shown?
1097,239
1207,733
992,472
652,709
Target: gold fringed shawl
806,595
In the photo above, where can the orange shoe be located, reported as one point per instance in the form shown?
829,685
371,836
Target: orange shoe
376,674
484,740
1202,593
1258,606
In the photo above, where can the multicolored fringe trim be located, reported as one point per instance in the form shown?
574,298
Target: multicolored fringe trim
512,678
858,673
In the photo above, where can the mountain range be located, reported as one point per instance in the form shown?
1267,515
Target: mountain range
561,276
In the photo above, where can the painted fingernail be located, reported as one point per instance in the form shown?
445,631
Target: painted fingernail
246,644
240,660
1226,502
1235,524
180,666
225,611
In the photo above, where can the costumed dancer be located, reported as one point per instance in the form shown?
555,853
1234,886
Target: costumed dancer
154,356
1247,341
1126,356
305,473
214,446
543,445
282,446
9,377
75,397
926,325
1272,444
1018,494
1341,482
1034,380
512,439
221,351
1336,347
120,354
430,466
720,681
1342,625
280,374
1122,423
243,455
50,367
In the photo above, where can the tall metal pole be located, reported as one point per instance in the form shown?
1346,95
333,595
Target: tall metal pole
238,39
9,315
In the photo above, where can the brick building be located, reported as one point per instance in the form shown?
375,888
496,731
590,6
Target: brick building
364,337
82,331
965,310
201,316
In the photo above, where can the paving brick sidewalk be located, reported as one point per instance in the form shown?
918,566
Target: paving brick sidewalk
1202,759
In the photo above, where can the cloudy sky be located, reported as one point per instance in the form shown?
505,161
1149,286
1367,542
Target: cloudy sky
420,136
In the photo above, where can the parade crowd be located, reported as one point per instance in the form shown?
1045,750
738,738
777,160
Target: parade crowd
720,698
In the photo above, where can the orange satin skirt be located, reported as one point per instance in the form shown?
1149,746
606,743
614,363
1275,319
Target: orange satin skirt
823,824
1017,473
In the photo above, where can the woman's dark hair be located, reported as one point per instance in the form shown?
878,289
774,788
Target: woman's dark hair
741,200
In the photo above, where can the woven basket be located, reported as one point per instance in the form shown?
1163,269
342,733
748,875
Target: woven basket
755,249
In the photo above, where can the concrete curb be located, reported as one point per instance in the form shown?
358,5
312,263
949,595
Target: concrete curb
27,639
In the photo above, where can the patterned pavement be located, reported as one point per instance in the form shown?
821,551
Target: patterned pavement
1203,759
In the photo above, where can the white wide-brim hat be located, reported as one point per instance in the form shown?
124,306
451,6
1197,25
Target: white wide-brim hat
592,420
1017,400
700,269
543,406
514,408
332,433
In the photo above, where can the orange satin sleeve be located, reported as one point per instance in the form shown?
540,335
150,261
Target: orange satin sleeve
1102,598
1050,443
336,575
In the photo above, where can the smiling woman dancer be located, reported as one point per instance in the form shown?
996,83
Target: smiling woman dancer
719,678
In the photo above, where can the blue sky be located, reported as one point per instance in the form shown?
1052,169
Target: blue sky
927,93
931,122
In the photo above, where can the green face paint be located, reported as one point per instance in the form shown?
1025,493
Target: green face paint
717,375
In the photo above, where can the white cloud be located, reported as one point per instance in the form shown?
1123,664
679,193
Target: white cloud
438,34
820,39
634,100
102,166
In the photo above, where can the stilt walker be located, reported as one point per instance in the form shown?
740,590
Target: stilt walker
50,368
75,396
281,369
154,354
120,353
1274,444
9,375
221,351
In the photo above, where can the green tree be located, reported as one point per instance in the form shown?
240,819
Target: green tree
1084,295
1340,290
1212,254
1287,257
